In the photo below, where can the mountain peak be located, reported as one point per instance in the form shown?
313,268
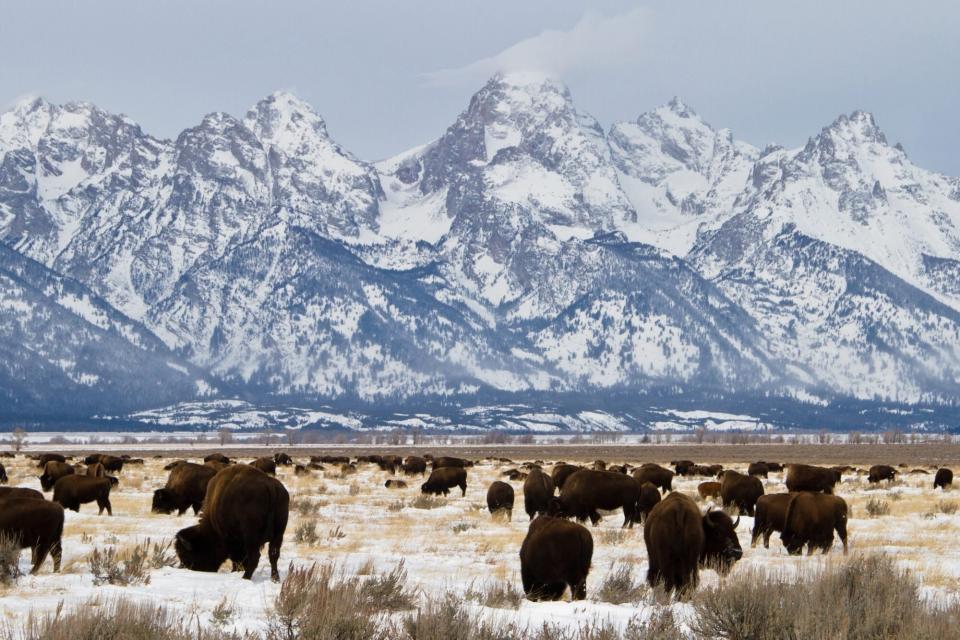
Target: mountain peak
679,107
858,127
284,120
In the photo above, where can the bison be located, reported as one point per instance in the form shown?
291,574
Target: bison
804,477
97,470
186,487
655,474
395,484
758,469
879,472
709,490
33,523
3,475
282,459
217,457
555,554
72,491
943,479
414,465
53,471
537,492
446,461
811,519
587,490
683,467
680,540
267,465
43,459
500,499
770,515
740,490
561,471
19,492
445,478
649,497
243,510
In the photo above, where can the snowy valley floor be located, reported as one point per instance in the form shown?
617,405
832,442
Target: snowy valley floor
454,546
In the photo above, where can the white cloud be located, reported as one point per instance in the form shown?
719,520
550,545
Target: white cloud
594,42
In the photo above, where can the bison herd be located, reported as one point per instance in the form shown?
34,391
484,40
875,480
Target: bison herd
243,507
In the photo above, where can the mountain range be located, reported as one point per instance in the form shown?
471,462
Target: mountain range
527,253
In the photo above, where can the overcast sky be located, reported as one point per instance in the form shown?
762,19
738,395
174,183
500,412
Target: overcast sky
390,74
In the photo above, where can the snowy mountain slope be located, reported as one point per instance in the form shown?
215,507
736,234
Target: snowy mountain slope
65,352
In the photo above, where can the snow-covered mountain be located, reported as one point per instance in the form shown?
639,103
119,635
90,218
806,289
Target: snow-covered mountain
526,250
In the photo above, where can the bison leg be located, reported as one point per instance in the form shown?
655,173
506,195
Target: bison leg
766,538
57,552
578,590
273,553
104,503
842,533
250,562
38,554
463,489
594,517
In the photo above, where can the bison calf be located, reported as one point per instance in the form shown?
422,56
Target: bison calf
555,554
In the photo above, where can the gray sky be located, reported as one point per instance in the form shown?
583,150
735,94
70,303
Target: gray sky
387,75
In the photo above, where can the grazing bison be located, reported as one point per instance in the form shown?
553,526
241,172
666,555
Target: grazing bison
186,487
709,490
73,490
758,469
446,461
680,541
774,466
3,475
53,471
649,497
880,472
112,463
740,490
561,472
515,475
770,516
943,479
390,463
500,499
413,465
243,510
655,474
217,457
300,470
36,524
282,459
395,484
445,478
19,492
555,554
267,465
49,457
811,519
587,490
537,492
804,477
683,467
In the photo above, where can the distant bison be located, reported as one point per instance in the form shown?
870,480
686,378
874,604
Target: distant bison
804,477
709,490
282,459
43,459
561,472
447,461
36,524
683,467
655,474
217,457
587,491
500,499
770,516
649,498
555,554
680,541
537,492
413,465
267,465
445,478
395,484
943,479
758,469
243,510
879,472
811,519
740,490
72,491
186,488
53,470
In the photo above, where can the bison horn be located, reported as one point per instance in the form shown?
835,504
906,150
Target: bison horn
737,522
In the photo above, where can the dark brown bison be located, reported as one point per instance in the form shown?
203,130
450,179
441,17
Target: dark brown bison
619,468
537,492
811,519
217,457
445,478
243,510
587,490
97,470
943,479
709,490
447,461
282,459
112,463
561,472
413,465
709,471
770,516
680,540
555,554
740,490
758,469
649,497
683,467
804,477
3,475
656,475
186,487
330,459
36,524
19,492
267,465
53,471
516,475
72,491
390,463
879,472
500,499
774,466
43,459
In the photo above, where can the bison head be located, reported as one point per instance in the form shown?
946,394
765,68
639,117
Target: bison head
46,482
163,501
721,547
200,548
